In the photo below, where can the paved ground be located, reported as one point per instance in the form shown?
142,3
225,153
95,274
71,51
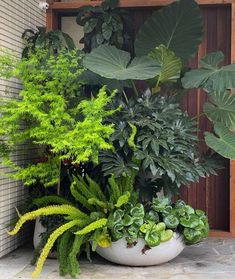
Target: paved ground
211,259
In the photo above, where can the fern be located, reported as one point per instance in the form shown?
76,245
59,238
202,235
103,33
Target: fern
101,204
93,226
49,210
95,189
114,189
74,267
79,197
58,232
44,201
123,199
63,249
82,187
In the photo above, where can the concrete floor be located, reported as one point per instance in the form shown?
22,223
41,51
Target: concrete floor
211,259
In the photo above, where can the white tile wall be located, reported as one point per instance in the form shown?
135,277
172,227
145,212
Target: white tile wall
15,17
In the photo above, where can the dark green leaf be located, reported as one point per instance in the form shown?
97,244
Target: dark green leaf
221,109
178,26
110,62
224,144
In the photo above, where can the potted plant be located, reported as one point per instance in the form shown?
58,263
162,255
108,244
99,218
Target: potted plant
149,145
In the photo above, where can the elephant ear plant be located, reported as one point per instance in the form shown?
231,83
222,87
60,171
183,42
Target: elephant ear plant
164,146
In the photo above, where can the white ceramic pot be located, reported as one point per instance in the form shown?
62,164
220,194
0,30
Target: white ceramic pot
38,230
134,256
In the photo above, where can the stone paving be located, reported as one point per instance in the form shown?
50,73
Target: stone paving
212,259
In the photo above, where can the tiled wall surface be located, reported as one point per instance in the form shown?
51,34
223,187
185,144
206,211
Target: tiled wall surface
15,17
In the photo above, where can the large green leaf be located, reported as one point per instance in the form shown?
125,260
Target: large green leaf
221,109
169,62
110,62
224,144
211,77
177,26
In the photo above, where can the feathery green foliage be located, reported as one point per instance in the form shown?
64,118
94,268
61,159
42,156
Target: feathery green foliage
51,114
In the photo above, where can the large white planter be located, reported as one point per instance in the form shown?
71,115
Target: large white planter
134,256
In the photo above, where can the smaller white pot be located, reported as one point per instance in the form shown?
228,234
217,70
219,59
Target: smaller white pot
38,230
134,256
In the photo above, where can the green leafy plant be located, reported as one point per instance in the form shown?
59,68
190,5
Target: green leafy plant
53,41
105,24
55,115
78,227
155,137
169,37
108,216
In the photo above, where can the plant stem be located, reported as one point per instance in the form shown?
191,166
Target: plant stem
134,88
58,185
198,116
125,96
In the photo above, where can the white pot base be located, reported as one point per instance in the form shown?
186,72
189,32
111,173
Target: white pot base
134,256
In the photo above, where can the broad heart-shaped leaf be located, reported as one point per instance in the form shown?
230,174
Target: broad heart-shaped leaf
224,144
210,76
177,26
221,109
169,62
110,62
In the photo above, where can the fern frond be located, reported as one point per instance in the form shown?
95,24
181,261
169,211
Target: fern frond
114,189
123,199
79,197
93,226
74,267
95,189
49,210
63,249
46,250
99,203
44,201
82,187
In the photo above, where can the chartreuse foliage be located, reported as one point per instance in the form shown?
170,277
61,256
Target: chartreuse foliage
79,228
51,115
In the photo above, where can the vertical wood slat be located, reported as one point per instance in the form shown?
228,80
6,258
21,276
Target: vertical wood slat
232,163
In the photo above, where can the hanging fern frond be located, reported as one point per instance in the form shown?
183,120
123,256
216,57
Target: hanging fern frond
74,267
44,201
49,210
93,226
46,250
63,248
